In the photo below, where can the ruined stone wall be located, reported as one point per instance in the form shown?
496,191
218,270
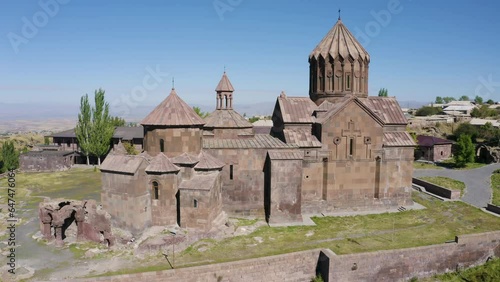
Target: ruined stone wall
127,199
244,194
176,141
41,162
403,264
299,267
285,196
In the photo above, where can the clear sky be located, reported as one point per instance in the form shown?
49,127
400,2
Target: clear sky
419,49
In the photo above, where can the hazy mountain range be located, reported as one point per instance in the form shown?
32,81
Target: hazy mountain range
54,117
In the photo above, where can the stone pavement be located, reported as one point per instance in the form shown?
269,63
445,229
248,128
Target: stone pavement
477,182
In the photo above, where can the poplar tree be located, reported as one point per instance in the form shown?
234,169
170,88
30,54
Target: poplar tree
464,151
10,157
102,129
83,127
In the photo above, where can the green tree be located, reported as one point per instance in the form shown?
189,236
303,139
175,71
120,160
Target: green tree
428,111
46,140
102,128
466,129
448,99
490,102
253,119
478,100
464,152
9,156
118,121
464,98
383,92
83,127
200,113
439,100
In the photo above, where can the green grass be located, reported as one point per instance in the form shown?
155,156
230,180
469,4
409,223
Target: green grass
446,183
438,223
488,272
420,165
451,164
495,186
245,222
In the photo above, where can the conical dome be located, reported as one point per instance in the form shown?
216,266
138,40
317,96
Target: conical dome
339,41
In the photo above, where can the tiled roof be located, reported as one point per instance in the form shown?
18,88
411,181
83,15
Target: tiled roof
334,108
185,158
301,138
224,84
339,41
398,139
120,163
296,109
208,161
199,182
325,106
161,164
429,141
286,154
386,108
259,141
49,153
173,111
226,118
262,129
129,133
70,133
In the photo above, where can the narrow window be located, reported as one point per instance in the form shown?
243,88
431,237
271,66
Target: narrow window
162,145
351,146
195,203
231,172
155,190
348,82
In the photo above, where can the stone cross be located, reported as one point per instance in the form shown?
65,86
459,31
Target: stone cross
351,132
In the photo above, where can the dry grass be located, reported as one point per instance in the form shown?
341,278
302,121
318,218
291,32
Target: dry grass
446,183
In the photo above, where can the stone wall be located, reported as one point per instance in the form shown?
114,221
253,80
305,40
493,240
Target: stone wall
403,264
40,161
300,266
175,141
285,191
392,265
438,190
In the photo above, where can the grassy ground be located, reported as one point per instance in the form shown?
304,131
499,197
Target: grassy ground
451,164
420,165
438,223
495,185
446,183
488,272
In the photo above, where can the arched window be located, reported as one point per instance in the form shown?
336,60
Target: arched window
155,190
195,203
162,145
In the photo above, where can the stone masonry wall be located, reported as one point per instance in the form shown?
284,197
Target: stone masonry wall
392,265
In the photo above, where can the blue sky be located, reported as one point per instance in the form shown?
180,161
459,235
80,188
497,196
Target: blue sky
425,48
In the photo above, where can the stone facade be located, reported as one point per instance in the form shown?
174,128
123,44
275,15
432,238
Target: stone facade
337,149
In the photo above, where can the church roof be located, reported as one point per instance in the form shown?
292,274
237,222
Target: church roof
173,111
301,138
339,41
200,182
226,118
286,154
259,141
224,84
185,158
121,163
207,161
296,109
386,108
398,139
161,164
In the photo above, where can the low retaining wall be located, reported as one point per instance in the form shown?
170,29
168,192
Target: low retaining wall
404,264
493,208
437,190
392,265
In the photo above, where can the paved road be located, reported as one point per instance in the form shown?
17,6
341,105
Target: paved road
477,182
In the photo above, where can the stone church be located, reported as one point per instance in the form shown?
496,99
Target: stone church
338,149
